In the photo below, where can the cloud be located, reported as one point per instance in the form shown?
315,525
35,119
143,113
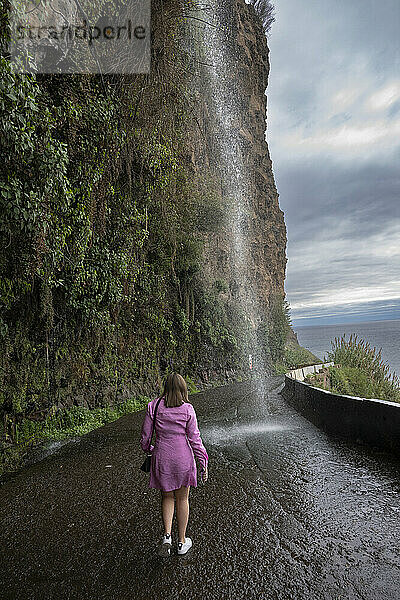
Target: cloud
332,270
333,129
385,97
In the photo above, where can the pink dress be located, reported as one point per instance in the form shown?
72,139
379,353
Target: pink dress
177,443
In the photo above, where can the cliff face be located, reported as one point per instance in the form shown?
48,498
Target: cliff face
268,238
239,89
155,221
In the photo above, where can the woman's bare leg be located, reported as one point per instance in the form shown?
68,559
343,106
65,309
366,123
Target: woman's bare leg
167,509
182,510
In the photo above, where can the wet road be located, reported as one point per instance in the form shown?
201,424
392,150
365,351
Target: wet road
288,513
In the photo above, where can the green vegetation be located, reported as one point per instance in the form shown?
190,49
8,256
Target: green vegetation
279,324
286,353
104,222
296,356
358,371
192,387
66,423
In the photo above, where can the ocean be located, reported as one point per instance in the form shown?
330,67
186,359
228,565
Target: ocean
379,334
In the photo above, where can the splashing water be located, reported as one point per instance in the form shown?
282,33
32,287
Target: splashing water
221,436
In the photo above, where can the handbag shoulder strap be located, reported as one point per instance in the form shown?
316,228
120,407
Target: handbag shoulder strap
154,417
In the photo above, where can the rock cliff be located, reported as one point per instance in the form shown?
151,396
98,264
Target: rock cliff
268,237
245,52
155,234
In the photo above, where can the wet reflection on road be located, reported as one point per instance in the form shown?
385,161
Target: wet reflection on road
331,509
288,513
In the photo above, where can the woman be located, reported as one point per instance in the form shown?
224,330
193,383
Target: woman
173,466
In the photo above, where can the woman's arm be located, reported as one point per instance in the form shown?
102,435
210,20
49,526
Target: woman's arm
193,434
147,428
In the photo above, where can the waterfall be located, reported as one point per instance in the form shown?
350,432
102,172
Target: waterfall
210,30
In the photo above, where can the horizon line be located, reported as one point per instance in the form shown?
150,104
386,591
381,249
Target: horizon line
343,322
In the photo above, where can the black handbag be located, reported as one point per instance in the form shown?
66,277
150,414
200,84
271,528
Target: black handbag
147,461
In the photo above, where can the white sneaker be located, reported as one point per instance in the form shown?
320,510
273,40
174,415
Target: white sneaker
165,547
184,547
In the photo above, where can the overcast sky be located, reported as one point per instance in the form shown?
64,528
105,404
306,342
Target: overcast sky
333,130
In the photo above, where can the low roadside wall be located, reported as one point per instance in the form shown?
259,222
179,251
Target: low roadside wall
301,373
371,421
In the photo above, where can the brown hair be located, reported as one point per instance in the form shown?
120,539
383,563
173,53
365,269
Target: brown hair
175,390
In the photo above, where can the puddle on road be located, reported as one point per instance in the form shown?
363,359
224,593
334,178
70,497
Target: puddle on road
219,436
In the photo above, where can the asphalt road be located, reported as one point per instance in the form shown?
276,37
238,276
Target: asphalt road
288,513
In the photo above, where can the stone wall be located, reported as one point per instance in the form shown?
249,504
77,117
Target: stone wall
370,421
